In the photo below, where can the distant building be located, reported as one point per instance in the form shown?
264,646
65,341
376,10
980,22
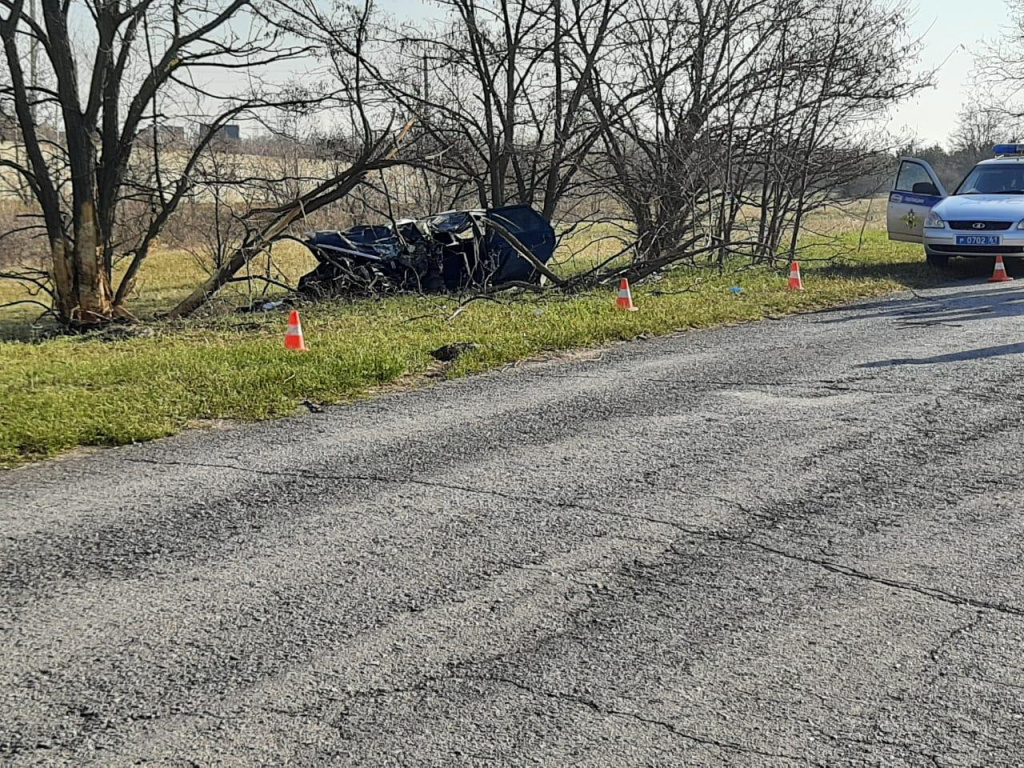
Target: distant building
228,132
166,135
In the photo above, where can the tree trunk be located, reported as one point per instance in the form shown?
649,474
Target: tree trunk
95,302
82,290
63,278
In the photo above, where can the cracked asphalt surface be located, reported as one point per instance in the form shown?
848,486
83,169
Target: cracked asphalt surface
791,543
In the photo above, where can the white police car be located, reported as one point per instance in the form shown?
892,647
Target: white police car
984,215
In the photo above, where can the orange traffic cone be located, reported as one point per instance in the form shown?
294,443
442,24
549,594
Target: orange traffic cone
795,283
625,300
293,336
999,273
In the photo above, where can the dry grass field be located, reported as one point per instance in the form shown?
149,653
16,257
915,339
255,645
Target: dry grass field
63,392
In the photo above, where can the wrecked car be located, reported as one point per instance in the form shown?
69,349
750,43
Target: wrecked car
444,252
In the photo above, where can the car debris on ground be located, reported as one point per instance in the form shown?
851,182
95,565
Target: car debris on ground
440,253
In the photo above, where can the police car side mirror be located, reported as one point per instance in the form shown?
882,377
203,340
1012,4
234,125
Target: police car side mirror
925,188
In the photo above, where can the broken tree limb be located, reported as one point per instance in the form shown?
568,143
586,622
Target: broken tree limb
380,155
522,250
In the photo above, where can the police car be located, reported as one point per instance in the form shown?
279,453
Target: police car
984,215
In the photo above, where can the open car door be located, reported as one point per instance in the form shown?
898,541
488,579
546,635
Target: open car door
913,194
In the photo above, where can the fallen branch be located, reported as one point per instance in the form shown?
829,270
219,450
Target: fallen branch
380,155
523,251
268,280
486,295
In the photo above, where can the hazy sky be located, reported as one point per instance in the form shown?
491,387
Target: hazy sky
947,27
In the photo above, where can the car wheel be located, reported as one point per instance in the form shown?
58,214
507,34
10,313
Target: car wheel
937,260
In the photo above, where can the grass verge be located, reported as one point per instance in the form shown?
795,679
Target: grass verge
68,392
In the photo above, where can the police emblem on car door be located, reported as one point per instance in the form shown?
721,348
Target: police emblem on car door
914,192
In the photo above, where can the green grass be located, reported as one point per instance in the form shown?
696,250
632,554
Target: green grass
67,392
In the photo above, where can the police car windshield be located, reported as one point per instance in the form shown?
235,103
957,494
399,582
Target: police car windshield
993,180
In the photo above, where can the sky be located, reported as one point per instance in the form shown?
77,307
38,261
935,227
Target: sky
951,31
955,29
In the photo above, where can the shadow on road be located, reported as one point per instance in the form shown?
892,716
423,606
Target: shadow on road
978,303
951,357
975,301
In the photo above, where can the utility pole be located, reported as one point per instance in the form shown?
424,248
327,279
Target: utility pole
426,86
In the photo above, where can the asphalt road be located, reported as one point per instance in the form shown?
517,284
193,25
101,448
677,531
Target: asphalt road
799,542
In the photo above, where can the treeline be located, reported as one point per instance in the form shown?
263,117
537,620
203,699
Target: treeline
977,131
714,124
950,164
704,127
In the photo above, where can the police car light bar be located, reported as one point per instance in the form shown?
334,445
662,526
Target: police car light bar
1008,149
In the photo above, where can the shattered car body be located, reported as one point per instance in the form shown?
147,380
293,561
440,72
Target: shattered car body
445,252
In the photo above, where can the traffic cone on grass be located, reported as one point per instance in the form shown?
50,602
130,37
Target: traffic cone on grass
293,336
999,273
795,283
625,300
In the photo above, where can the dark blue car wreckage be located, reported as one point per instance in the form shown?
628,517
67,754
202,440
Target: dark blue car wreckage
445,252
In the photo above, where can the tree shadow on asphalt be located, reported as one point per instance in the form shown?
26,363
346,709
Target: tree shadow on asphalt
978,300
951,357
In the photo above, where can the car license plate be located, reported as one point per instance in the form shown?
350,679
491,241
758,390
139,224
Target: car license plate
977,239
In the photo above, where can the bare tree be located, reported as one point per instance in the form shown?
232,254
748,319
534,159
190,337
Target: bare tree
979,129
497,89
716,108
103,98
672,107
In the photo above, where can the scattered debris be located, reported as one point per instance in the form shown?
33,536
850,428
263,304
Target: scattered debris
444,252
265,305
451,352
312,407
